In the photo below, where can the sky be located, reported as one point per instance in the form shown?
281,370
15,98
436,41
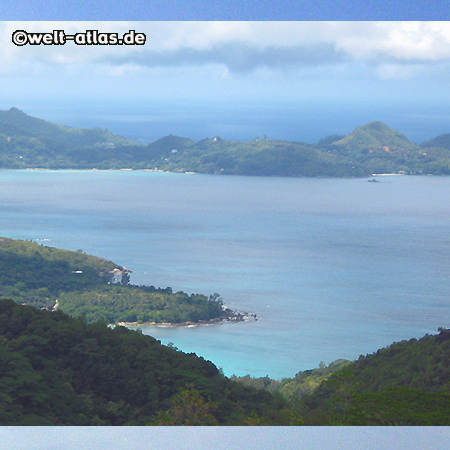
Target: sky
310,72
225,10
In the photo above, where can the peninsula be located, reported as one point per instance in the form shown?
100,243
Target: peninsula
97,289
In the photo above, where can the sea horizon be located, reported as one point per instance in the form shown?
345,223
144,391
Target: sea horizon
301,121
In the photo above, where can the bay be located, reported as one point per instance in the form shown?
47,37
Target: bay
333,268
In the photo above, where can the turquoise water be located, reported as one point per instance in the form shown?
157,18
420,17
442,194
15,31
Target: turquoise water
333,268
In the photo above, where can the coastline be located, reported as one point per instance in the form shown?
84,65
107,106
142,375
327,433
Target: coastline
169,324
233,317
386,174
125,169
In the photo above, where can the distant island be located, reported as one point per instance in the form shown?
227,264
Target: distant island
27,142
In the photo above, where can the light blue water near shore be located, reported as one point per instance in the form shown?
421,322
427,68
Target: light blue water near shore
333,268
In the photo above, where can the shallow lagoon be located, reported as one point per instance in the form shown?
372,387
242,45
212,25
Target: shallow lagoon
333,268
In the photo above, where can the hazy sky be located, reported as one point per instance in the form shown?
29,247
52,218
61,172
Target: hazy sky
277,61
384,65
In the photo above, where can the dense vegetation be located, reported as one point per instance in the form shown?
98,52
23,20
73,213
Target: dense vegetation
28,142
92,287
383,150
260,157
293,389
406,383
58,370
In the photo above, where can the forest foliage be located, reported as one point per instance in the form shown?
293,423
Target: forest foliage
59,370
87,286
406,383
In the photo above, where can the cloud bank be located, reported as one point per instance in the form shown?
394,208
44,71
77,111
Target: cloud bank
240,46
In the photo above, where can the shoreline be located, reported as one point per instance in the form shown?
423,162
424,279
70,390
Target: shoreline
234,317
170,324
386,174
125,169
94,169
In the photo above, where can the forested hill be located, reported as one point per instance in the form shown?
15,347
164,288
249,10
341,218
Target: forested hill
15,123
94,288
407,383
384,150
28,142
57,370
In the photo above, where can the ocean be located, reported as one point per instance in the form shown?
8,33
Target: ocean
333,268
306,121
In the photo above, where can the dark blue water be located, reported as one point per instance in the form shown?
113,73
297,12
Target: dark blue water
300,120
333,268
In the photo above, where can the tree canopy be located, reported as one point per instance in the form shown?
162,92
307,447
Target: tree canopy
94,288
58,370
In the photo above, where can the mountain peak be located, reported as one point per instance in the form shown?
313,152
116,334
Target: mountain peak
376,125
15,110
375,135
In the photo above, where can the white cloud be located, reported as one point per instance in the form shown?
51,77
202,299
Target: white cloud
376,42
225,58
401,41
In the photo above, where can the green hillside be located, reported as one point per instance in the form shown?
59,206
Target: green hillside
442,141
375,136
94,288
406,383
15,122
57,370
28,142
383,150
259,157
